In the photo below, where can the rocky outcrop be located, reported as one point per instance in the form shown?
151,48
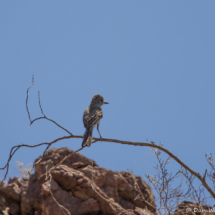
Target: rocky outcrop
73,188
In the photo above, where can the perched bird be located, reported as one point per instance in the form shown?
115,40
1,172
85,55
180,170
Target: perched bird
91,117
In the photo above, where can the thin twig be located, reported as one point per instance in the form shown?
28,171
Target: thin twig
44,116
15,148
50,178
65,159
62,208
27,99
140,194
107,200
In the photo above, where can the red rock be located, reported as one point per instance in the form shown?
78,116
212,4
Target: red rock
71,187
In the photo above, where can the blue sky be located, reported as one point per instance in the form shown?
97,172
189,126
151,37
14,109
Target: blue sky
153,61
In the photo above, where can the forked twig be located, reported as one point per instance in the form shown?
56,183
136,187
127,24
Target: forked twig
152,145
140,194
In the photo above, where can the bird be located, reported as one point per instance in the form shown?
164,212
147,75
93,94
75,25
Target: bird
91,117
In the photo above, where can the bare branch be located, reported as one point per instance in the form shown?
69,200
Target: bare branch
204,176
156,148
27,99
40,104
15,148
211,172
43,117
194,194
127,143
168,197
59,205
140,194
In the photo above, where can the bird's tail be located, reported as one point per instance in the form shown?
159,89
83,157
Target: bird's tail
87,137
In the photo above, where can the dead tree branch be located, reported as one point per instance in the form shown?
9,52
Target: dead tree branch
168,197
152,145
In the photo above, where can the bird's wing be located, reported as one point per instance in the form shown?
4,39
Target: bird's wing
91,119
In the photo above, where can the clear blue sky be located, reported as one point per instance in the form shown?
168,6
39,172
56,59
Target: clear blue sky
153,61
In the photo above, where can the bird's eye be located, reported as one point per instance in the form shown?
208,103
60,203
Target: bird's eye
101,100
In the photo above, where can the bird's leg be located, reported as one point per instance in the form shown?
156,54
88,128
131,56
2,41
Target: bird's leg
98,131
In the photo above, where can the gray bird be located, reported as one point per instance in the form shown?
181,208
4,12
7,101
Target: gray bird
91,117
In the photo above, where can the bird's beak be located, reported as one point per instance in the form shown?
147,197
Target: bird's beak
106,103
